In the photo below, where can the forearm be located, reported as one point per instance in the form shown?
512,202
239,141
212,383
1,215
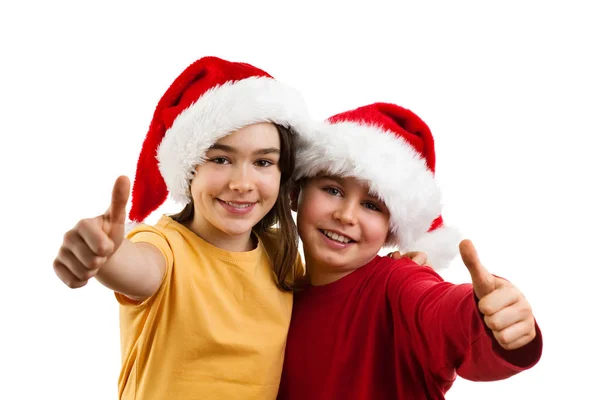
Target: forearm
134,270
458,336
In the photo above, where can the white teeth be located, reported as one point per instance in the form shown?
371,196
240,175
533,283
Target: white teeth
237,205
336,237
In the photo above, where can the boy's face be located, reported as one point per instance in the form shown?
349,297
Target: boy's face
342,227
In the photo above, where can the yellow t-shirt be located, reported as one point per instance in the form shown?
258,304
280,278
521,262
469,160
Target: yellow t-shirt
215,329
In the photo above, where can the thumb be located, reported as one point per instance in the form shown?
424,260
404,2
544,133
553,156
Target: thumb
483,281
117,212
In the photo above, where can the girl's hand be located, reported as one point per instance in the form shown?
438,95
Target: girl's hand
88,246
416,256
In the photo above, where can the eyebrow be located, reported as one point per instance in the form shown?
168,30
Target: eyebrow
231,149
330,177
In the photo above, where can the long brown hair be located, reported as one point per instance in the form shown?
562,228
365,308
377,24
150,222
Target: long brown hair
281,242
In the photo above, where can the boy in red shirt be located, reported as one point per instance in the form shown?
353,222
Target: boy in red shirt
371,327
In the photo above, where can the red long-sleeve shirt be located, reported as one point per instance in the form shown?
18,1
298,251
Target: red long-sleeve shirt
392,330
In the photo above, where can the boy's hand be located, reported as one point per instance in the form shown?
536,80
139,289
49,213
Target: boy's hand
417,257
87,247
506,311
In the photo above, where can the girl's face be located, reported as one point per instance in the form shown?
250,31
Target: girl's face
236,186
342,227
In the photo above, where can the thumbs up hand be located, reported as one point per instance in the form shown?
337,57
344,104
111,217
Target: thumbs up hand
88,246
506,311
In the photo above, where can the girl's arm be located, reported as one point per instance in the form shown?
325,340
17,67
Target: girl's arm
96,247
134,270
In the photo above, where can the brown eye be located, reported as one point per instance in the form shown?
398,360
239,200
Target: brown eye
264,163
219,160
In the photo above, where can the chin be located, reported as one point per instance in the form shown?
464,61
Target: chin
334,263
238,230
239,225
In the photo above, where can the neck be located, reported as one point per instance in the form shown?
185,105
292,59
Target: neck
320,273
220,239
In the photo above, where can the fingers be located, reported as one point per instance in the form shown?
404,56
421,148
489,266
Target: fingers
508,316
80,270
506,311
88,235
92,241
84,251
67,277
417,257
516,335
499,299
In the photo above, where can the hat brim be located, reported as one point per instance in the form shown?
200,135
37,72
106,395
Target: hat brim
394,171
219,112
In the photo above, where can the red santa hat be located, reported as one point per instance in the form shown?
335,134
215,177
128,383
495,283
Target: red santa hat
209,100
392,149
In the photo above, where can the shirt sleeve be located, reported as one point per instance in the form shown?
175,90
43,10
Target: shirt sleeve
148,234
448,331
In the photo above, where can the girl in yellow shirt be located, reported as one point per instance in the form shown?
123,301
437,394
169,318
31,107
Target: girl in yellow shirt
204,295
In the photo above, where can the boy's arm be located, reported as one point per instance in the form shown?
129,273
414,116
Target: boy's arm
96,247
450,333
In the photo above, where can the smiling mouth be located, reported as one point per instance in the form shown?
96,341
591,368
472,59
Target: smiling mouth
336,237
237,205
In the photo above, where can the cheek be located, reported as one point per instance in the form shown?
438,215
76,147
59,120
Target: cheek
269,184
377,229
199,187
209,180
306,219
203,193
312,207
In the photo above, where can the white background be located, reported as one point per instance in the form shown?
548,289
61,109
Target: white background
510,91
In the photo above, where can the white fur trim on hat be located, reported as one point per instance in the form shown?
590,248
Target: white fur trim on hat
441,246
396,173
219,112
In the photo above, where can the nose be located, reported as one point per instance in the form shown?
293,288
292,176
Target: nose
346,214
241,179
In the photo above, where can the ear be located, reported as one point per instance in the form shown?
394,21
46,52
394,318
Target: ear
294,194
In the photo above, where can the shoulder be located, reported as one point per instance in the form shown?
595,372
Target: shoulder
159,235
400,268
162,226
404,272
165,227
